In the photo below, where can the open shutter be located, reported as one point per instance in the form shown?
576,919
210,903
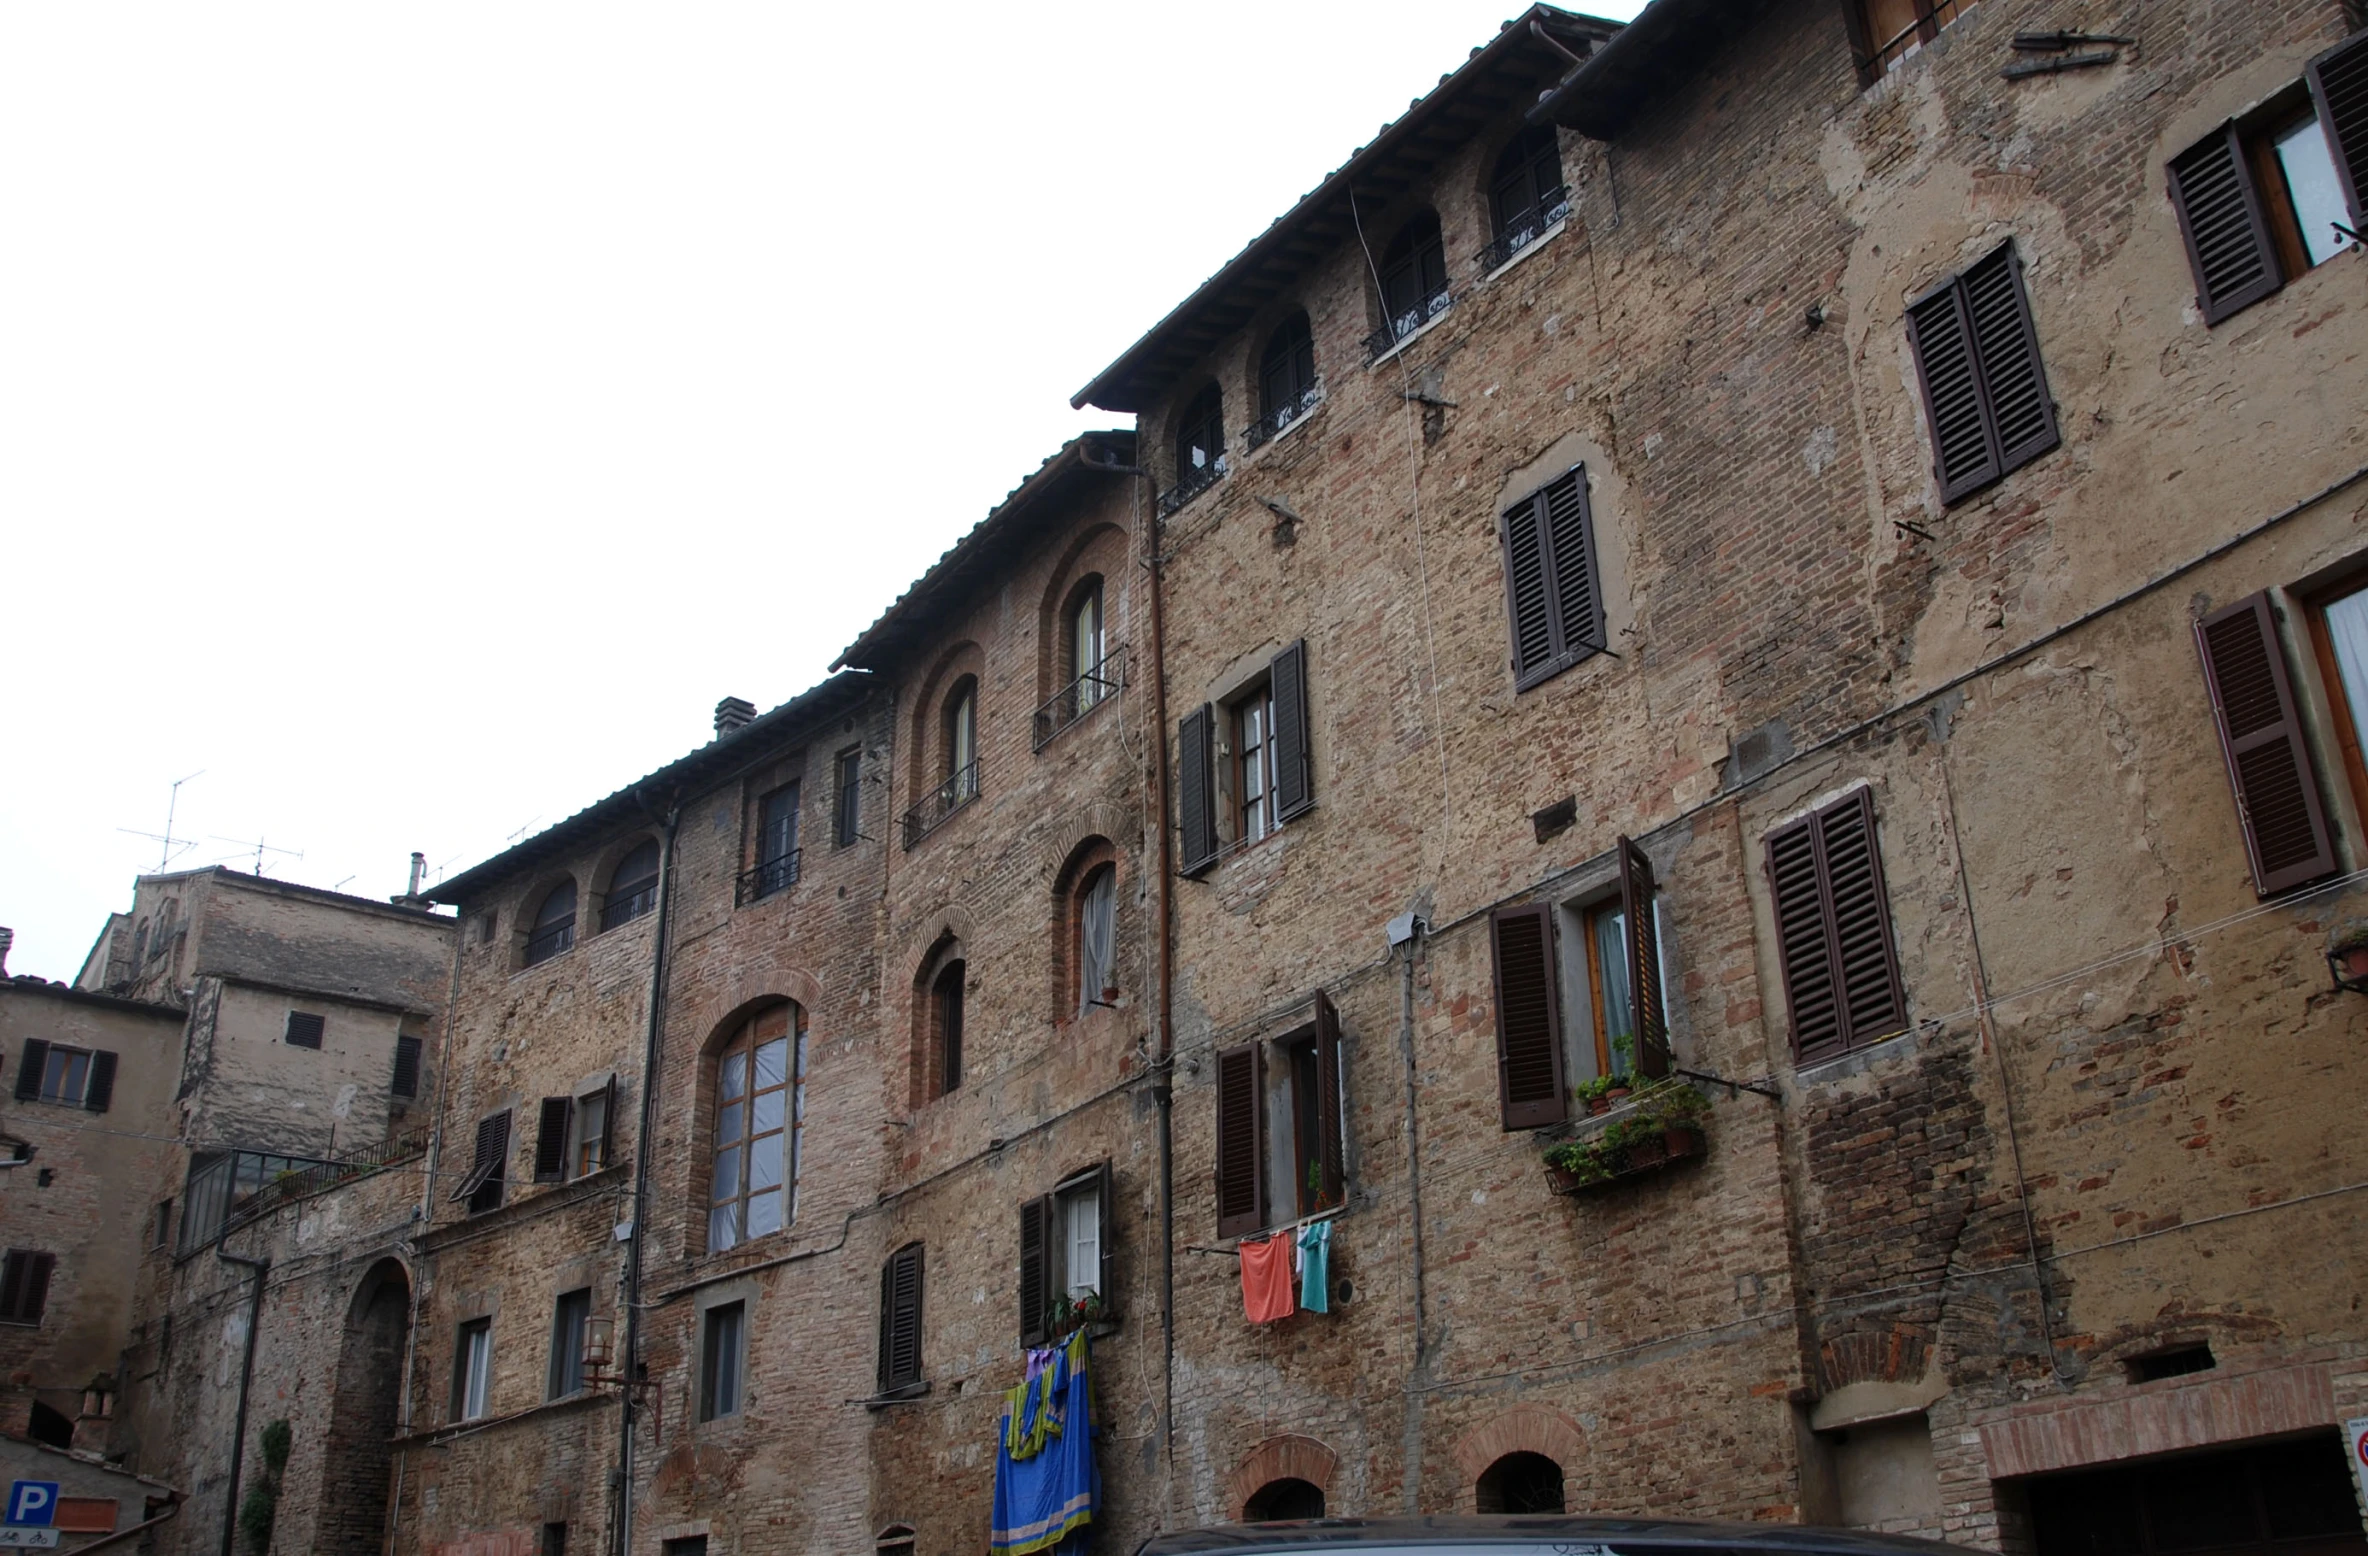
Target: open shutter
1963,456
1331,1143
2014,383
1530,1088
101,1092
550,1140
406,1081
1804,941
1105,1186
1294,756
482,1188
1036,1221
2220,214
1570,553
1528,602
12,1283
1241,1141
29,1067
2339,87
1644,962
606,1096
2277,797
1196,789
1852,863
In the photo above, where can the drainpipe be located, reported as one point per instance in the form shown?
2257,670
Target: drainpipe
246,1378
629,1356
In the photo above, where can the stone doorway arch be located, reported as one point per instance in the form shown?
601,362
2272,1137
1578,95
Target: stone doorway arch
1286,1458
358,1458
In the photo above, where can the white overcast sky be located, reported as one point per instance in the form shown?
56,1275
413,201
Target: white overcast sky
415,417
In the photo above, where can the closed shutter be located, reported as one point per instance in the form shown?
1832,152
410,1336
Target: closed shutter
24,1285
1036,1221
101,1093
900,1319
1294,755
1527,606
2220,214
1985,391
2339,86
305,1028
1964,458
1644,962
1528,1019
1833,929
1570,553
406,1081
1196,790
1553,593
1802,943
29,1067
2013,380
1241,1141
550,1140
1331,1144
2277,795
12,1284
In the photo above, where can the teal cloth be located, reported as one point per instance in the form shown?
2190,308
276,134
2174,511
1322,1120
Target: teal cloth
1315,1267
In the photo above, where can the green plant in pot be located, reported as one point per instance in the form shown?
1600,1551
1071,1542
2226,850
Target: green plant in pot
1595,1095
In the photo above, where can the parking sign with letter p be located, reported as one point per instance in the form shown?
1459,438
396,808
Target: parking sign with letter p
32,1502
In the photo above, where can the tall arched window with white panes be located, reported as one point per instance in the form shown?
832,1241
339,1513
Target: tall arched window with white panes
760,1109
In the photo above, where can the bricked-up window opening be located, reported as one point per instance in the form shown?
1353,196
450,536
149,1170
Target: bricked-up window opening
632,886
2176,1361
304,1029
472,1369
945,1007
1986,403
406,1077
489,1171
2287,840
1287,384
1280,1501
2339,635
71,1077
554,1540
690,1545
1413,281
760,1112
554,924
1200,448
1884,32
719,1360
1553,582
1833,929
847,800
2293,1496
162,1234
487,924
571,1315
1097,939
589,1154
900,1320
24,1285
1521,1483
1526,195
1065,1242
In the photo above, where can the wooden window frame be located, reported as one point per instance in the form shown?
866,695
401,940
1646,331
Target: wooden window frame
723,1360
630,897
1876,57
1201,425
25,1274
949,1000
1044,1273
747,1040
1287,367
1530,201
2342,725
1419,244
555,932
467,1379
571,1320
847,797
96,1094
410,1056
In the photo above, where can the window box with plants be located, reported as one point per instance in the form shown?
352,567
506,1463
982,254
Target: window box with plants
1662,1126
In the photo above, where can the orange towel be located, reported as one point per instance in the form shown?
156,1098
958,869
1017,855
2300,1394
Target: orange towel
1266,1279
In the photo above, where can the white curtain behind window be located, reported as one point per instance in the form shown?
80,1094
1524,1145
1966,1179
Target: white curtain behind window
1097,935
2347,629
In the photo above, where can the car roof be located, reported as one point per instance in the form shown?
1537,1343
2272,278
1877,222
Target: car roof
1573,1535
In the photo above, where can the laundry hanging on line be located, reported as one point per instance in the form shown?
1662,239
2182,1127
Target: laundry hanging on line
1267,1277
1047,1483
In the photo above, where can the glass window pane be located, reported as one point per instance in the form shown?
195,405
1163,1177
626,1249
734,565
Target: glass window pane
1611,956
769,1106
731,1077
2310,181
729,1120
764,1213
2347,631
764,1163
727,1175
723,1227
1082,1215
772,1063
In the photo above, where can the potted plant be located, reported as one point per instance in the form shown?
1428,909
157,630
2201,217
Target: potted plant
1595,1094
1576,1164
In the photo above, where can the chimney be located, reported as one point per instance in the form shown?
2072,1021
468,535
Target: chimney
733,715
7,939
419,868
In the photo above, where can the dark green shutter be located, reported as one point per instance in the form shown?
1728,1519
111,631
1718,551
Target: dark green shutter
550,1141
101,1091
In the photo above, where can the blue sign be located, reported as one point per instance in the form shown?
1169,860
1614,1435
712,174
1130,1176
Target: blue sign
33,1502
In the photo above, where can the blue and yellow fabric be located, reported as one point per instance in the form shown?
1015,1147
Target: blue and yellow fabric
1047,1484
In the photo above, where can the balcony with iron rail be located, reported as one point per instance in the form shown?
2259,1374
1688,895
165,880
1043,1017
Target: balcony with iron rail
1524,231
940,804
550,940
770,878
1191,484
1080,697
1406,325
1283,417
237,1187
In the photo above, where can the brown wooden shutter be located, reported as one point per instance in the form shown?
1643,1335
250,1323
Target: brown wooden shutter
2339,86
1964,457
13,1268
1853,865
1530,1088
1985,391
1241,1140
1294,754
101,1092
1331,1141
900,1319
1196,789
2014,383
550,1140
1644,962
24,1285
1036,1222
30,1065
483,1186
2220,214
2277,795
1570,555
406,1081
1804,942
1528,602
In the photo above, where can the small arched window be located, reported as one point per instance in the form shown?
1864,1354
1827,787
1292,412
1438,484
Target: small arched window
760,1112
1521,1483
1200,448
1087,646
895,1540
1525,193
632,886
1413,280
945,1026
1283,1499
1287,386
961,742
554,927
1097,938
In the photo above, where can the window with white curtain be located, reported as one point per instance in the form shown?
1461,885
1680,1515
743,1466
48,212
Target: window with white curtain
1097,937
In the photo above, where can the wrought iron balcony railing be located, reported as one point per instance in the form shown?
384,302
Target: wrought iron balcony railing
234,1187
549,941
1288,414
629,902
1191,485
940,804
1525,229
1080,697
770,876
1378,344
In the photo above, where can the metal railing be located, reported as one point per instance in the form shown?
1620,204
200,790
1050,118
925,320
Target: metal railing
1190,485
770,876
1525,230
637,898
1378,344
544,944
1080,697
1288,414
236,1187
940,804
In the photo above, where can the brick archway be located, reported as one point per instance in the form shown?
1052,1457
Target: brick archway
1288,1457
1522,1429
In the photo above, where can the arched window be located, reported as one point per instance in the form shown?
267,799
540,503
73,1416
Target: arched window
632,886
1284,1499
1097,938
554,924
1413,281
1525,193
1087,645
945,1026
760,1114
1287,386
1200,448
1521,1483
961,742
895,1540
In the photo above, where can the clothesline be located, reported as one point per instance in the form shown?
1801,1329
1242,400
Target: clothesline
1292,1227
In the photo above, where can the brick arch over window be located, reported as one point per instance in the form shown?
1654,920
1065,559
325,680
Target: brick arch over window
1522,1429
925,745
1090,855
1099,550
1289,1457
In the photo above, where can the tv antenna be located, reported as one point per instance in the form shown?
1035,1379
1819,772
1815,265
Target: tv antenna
260,848
174,847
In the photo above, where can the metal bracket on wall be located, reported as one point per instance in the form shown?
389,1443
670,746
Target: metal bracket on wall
1758,1088
2048,67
